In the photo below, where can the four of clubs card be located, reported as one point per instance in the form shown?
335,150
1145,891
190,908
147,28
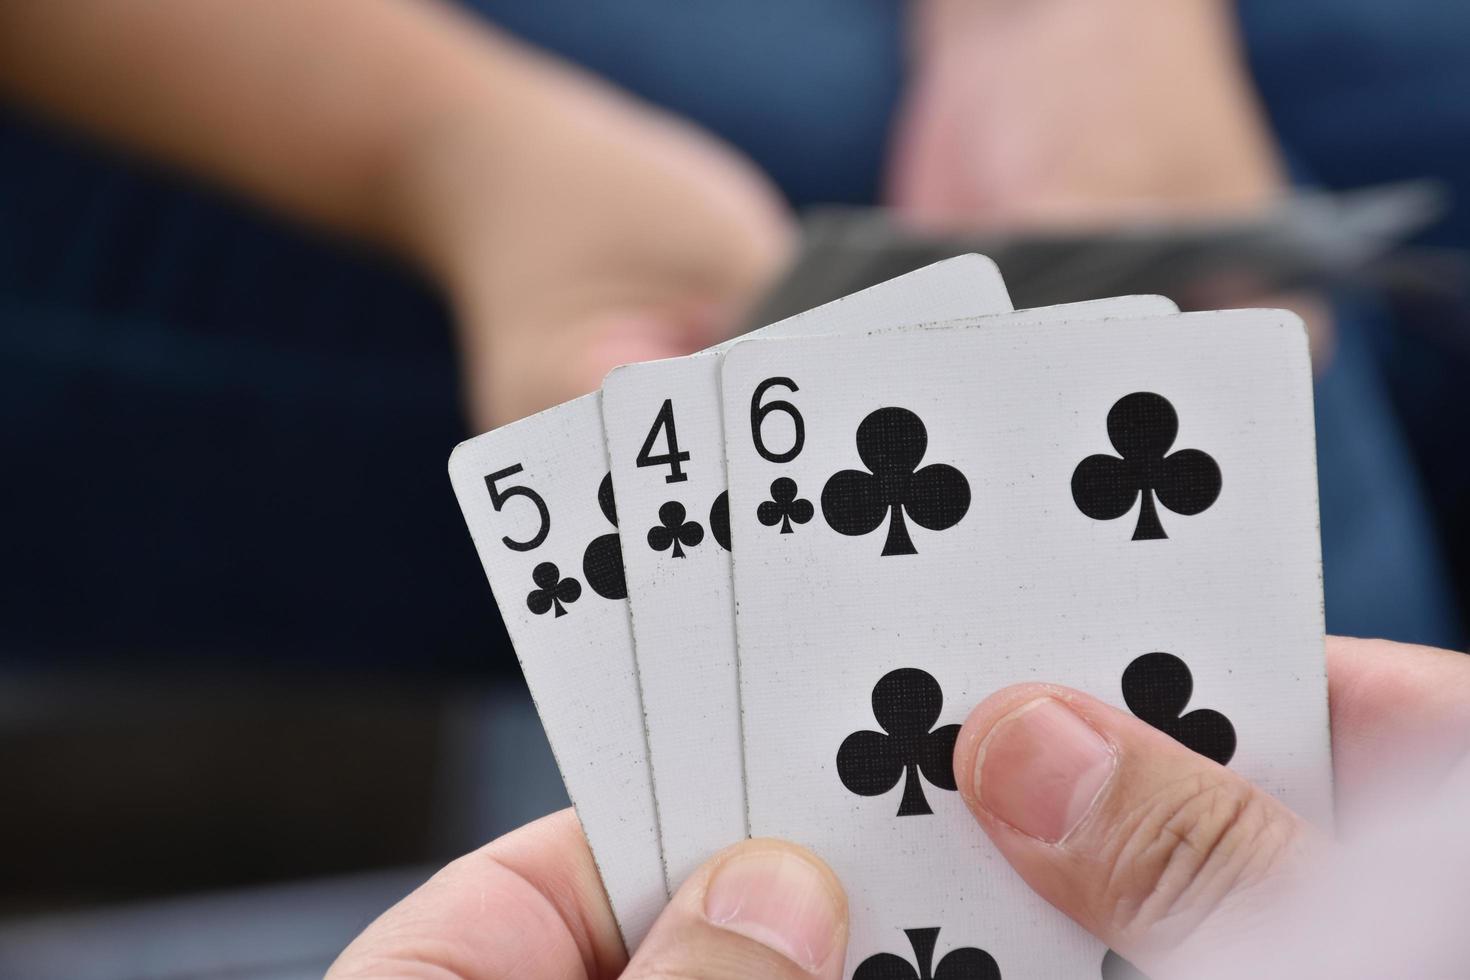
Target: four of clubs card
1128,508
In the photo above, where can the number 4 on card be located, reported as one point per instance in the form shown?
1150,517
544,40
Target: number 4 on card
665,421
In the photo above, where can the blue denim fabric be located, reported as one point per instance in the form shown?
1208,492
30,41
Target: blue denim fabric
225,438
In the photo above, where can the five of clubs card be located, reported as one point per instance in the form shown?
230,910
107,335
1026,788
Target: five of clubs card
755,590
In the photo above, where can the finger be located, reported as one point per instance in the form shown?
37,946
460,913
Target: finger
1157,851
762,908
1400,713
527,905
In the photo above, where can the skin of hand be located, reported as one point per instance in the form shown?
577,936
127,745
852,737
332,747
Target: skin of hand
1087,113
1077,112
579,230
572,227
1159,852
530,906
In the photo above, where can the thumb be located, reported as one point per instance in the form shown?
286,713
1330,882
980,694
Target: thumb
762,908
1164,855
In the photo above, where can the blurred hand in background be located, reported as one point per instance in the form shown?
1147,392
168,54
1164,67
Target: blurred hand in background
576,230
1087,113
573,228
1072,112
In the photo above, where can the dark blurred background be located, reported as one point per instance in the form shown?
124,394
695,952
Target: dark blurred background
252,682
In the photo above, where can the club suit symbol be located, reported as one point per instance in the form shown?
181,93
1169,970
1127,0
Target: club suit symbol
784,506
719,520
965,963
1142,427
602,562
552,591
1157,688
891,442
673,531
906,703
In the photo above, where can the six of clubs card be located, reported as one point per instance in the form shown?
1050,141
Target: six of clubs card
1131,511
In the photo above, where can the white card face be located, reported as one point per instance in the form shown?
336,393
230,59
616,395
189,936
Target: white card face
667,449
682,604
543,522
531,493
948,555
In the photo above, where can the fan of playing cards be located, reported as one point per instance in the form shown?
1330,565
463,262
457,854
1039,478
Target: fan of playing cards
755,590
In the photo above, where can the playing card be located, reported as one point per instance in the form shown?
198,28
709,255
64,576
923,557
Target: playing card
1127,508
667,445
667,449
538,498
539,505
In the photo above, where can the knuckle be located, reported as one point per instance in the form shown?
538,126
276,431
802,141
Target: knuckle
1186,855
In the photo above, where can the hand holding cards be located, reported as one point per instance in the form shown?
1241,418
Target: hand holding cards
1101,496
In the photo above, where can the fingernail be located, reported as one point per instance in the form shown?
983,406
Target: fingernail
1041,769
780,900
